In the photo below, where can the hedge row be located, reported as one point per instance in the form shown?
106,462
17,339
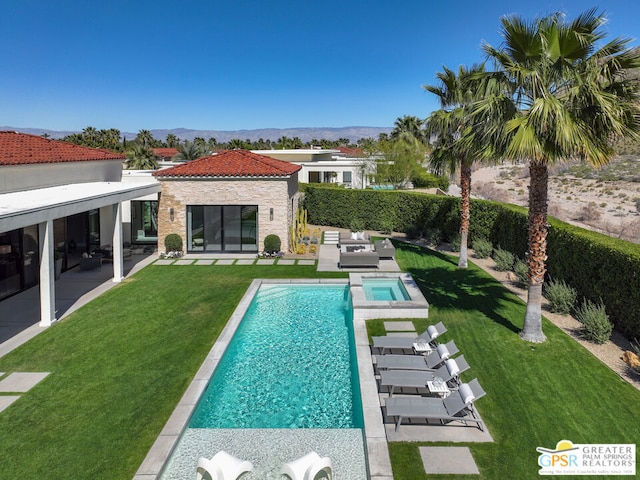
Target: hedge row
597,266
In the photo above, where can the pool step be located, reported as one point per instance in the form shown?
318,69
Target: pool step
331,237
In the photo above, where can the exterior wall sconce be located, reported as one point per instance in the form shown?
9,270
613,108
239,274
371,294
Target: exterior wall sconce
271,214
171,215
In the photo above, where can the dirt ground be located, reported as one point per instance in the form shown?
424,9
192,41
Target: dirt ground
609,206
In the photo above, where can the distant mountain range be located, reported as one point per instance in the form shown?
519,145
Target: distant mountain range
305,134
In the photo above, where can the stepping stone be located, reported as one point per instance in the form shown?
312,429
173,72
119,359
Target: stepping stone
286,262
6,400
265,262
204,262
399,327
306,262
452,460
184,262
244,261
225,261
21,381
163,262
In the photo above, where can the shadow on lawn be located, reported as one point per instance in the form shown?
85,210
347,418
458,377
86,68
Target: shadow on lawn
446,286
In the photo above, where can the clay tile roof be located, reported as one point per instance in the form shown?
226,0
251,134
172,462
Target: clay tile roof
165,152
24,149
232,163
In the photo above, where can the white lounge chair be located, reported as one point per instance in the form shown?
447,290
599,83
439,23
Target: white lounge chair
449,373
307,467
223,466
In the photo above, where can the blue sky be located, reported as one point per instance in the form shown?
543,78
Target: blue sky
240,64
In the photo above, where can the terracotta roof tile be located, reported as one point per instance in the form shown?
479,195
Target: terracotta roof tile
165,152
232,163
24,149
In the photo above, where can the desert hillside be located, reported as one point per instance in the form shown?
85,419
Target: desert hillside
606,200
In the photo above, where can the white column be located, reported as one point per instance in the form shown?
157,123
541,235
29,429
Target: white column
47,274
118,265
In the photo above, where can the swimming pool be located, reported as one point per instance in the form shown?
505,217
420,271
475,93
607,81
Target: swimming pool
382,289
312,327
290,364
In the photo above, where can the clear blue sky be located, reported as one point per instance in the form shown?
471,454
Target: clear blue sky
240,64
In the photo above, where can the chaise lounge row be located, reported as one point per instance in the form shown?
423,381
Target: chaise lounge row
427,368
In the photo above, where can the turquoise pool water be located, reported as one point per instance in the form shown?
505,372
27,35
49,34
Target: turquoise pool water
384,289
290,364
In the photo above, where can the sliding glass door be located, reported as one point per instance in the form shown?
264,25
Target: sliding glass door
222,228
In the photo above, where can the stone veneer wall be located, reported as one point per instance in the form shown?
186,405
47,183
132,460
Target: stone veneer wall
281,194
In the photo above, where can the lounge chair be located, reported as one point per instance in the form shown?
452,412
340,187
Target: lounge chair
429,336
308,467
418,362
418,379
223,466
457,406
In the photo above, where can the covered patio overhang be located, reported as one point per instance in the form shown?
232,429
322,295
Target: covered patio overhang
42,206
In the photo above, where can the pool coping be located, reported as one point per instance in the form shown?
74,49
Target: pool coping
378,460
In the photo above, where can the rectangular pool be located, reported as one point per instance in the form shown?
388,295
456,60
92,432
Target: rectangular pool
380,289
290,364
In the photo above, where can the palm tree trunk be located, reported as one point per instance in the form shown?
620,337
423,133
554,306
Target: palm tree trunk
465,209
538,174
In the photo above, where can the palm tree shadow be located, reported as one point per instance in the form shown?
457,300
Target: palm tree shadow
447,286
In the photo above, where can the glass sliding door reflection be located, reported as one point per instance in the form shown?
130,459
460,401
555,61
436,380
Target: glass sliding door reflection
250,228
232,229
195,228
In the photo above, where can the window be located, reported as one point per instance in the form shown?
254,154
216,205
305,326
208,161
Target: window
346,177
222,228
144,221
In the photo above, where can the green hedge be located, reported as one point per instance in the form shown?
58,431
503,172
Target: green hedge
597,266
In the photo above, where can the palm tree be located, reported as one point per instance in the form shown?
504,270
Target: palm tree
140,157
145,138
409,124
572,99
172,140
189,151
456,136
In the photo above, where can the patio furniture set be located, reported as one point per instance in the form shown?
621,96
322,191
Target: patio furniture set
356,250
428,377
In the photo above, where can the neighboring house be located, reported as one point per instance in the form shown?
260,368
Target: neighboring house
164,154
57,201
328,166
228,202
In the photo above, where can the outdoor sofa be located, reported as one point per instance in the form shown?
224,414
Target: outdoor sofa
385,248
359,259
354,238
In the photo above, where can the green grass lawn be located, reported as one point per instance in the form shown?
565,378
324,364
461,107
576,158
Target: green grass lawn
537,394
120,364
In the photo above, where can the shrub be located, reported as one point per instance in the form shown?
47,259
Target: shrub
422,179
455,243
356,225
561,296
521,269
482,248
272,243
433,236
386,227
302,249
313,248
597,327
173,243
504,259
412,232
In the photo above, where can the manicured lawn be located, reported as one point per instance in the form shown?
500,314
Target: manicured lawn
120,364
118,368
536,396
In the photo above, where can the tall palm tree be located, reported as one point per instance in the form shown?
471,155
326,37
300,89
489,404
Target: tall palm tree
140,157
572,98
145,137
189,151
455,134
409,124
172,140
